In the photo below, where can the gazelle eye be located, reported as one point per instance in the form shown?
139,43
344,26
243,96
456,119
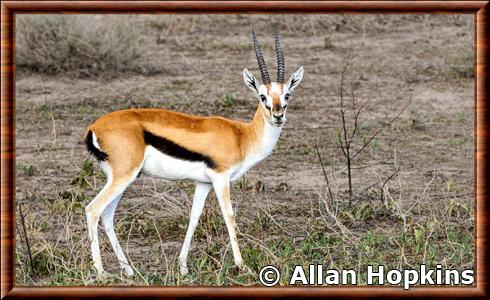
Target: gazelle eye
263,98
286,97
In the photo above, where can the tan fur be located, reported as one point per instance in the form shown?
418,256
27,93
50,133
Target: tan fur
230,215
276,102
227,142
99,205
226,193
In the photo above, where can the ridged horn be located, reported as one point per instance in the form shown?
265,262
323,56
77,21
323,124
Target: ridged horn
260,59
279,55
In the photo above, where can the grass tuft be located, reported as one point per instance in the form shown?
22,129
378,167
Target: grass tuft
80,46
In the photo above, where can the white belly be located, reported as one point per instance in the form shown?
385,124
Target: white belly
170,168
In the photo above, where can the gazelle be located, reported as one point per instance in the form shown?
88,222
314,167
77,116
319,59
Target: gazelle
211,151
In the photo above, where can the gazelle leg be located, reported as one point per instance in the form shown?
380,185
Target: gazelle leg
200,194
221,185
94,210
108,222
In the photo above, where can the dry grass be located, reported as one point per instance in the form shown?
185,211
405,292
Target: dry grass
80,46
285,214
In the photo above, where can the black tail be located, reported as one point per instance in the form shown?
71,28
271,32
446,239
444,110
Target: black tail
101,156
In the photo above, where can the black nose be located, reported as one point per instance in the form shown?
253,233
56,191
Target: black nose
278,117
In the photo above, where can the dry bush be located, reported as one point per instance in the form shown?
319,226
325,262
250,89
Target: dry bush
460,63
80,46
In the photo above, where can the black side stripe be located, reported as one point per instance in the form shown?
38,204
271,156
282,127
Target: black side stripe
100,155
172,149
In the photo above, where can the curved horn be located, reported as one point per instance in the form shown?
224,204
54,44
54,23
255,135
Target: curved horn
260,59
279,54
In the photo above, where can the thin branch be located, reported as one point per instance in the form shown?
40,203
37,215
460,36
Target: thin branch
341,144
359,194
381,128
342,112
324,174
384,184
346,151
356,121
22,221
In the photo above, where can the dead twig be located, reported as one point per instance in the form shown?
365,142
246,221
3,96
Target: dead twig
348,133
346,143
26,238
382,127
384,184
324,174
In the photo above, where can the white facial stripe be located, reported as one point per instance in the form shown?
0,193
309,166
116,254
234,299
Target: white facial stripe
275,89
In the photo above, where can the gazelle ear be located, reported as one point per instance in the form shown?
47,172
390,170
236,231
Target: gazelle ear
250,81
295,79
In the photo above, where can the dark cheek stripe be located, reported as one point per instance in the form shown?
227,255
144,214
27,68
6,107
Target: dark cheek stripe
172,149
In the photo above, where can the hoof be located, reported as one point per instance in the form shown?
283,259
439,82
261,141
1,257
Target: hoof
129,271
183,270
245,269
102,276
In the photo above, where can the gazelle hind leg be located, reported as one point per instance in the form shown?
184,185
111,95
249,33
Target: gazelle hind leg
200,194
221,185
111,191
108,222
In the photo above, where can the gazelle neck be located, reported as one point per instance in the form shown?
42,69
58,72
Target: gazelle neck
265,133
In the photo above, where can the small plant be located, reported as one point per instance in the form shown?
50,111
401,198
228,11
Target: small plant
69,201
228,100
46,111
283,186
86,171
456,209
372,241
263,220
460,116
29,170
42,261
328,44
259,186
450,185
244,184
418,120
419,236
375,145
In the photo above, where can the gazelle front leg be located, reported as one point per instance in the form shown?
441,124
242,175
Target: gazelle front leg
200,194
221,185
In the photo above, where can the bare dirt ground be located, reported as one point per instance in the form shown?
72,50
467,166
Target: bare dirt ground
283,212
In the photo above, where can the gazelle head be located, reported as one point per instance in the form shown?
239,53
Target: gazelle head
273,96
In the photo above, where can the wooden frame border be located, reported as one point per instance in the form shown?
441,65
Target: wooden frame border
10,8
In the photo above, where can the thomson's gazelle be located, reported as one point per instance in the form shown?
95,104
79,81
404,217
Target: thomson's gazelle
211,151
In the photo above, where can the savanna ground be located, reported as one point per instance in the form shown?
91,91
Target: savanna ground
412,200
